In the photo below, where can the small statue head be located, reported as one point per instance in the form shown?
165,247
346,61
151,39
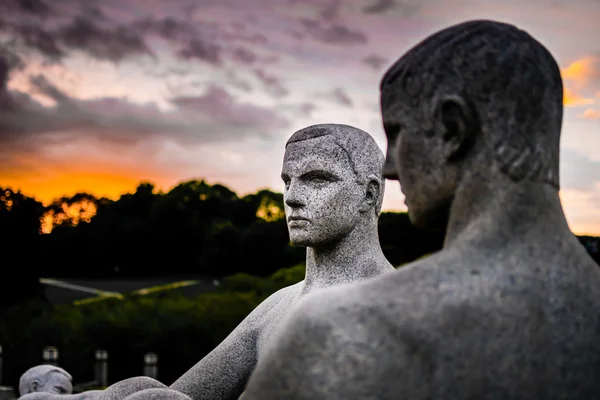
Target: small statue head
47,379
333,177
480,100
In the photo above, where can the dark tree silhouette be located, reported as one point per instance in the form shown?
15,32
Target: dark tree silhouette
193,229
20,258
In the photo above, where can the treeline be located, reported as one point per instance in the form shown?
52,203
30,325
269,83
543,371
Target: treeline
195,228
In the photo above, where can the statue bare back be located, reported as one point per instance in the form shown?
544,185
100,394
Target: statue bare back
509,308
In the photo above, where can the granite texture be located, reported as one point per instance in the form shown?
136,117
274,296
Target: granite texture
333,194
45,378
158,394
127,387
509,308
89,395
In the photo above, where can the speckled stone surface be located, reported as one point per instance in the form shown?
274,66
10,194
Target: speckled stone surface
158,394
45,378
127,387
333,194
89,395
510,308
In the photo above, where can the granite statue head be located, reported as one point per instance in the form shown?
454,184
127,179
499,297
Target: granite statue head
478,98
333,177
47,379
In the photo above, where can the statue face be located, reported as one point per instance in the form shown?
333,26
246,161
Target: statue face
54,382
415,157
322,196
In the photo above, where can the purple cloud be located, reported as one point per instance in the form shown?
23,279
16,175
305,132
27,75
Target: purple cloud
244,56
379,6
341,97
306,109
374,61
408,7
333,33
271,84
201,50
221,107
213,116
34,7
104,44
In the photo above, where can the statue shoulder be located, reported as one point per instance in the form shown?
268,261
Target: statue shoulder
288,294
283,298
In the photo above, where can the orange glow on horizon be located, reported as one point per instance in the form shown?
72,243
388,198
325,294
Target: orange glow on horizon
100,184
580,71
591,113
577,76
571,99
113,185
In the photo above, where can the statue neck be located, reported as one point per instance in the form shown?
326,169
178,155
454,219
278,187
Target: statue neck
500,213
356,256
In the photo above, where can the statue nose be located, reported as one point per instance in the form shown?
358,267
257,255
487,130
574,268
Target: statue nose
292,196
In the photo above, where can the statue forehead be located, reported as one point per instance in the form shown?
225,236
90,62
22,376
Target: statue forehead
58,376
322,148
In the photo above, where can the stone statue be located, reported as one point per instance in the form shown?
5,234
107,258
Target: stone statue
45,378
509,308
333,194
44,382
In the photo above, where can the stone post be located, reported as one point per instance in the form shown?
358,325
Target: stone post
50,355
151,365
6,392
101,368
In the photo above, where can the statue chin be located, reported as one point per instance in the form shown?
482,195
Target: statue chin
301,240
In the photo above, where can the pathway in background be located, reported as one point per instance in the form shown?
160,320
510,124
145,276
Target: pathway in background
83,291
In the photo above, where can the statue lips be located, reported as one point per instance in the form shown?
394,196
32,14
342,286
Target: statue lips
297,221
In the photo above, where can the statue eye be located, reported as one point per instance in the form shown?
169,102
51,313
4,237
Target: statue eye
319,177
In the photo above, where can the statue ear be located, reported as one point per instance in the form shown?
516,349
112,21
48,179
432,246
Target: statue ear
35,384
455,125
372,193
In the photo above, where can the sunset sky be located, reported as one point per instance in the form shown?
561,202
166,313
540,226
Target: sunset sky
97,96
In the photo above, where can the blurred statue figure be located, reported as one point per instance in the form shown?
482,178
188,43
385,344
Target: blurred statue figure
48,382
47,379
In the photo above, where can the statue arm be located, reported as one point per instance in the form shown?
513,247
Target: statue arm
223,372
